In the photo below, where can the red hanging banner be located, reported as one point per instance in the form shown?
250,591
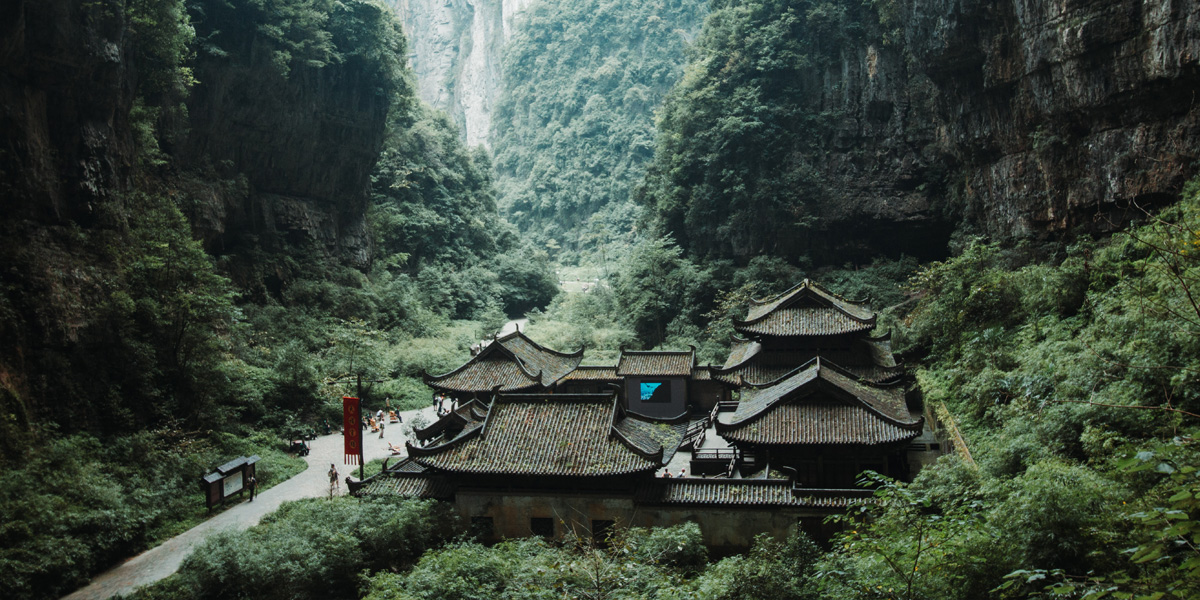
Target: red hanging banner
352,428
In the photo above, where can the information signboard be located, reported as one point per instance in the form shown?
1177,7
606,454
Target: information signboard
233,483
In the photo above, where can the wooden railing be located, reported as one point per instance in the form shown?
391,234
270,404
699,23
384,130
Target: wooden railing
715,454
694,436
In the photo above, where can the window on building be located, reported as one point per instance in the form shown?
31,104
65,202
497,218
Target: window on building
483,527
542,526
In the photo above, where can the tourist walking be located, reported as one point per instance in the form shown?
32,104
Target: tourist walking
334,485
381,428
252,484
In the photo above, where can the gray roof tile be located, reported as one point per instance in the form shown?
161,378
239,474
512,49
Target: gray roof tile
545,434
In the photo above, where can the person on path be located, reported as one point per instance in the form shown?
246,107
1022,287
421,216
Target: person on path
381,429
333,480
252,483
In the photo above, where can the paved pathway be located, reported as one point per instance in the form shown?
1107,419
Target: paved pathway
163,560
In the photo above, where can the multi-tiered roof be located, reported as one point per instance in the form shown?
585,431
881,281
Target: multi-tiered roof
802,323
512,363
812,375
820,404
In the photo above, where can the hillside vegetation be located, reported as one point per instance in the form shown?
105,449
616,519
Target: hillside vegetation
574,125
222,216
148,340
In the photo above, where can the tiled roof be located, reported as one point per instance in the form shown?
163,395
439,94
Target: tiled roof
807,287
741,351
406,486
407,465
744,492
650,436
806,309
886,400
763,415
659,364
870,359
537,359
804,320
812,423
487,374
512,363
759,375
867,351
702,374
545,434
470,412
590,373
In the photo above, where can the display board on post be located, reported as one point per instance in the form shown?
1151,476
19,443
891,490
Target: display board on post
228,480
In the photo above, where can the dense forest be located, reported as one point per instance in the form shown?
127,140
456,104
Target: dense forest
574,125
220,215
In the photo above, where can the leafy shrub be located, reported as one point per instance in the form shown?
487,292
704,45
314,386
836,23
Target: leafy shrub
80,503
314,549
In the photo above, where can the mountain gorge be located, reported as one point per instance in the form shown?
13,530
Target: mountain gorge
221,216
901,120
456,52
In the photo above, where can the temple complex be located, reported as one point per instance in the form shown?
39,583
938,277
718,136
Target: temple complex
778,436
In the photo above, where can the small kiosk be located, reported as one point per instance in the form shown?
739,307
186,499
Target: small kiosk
229,479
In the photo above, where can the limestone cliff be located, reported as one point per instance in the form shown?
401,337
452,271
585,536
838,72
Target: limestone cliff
65,94
455,49
266,163
1023,118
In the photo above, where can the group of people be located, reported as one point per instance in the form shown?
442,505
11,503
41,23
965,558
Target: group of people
380,420
682,473
444,404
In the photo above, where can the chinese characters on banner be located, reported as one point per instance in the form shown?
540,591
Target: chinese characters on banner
352,428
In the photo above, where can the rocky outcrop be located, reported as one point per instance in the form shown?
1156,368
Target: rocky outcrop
305,145
1023,118
66,89
455,49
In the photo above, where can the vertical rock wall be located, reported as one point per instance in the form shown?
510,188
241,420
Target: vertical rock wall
455,50
66,87
1021,119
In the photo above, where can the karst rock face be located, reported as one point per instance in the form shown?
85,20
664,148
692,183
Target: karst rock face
1023,119
1063,113
1019,119
455,49
305,145
65,94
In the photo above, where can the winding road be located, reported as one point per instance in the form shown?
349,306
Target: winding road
163,560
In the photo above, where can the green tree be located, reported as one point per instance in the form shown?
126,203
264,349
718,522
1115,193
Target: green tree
574,125
734,170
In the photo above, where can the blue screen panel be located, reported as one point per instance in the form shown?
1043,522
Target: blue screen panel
648,390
